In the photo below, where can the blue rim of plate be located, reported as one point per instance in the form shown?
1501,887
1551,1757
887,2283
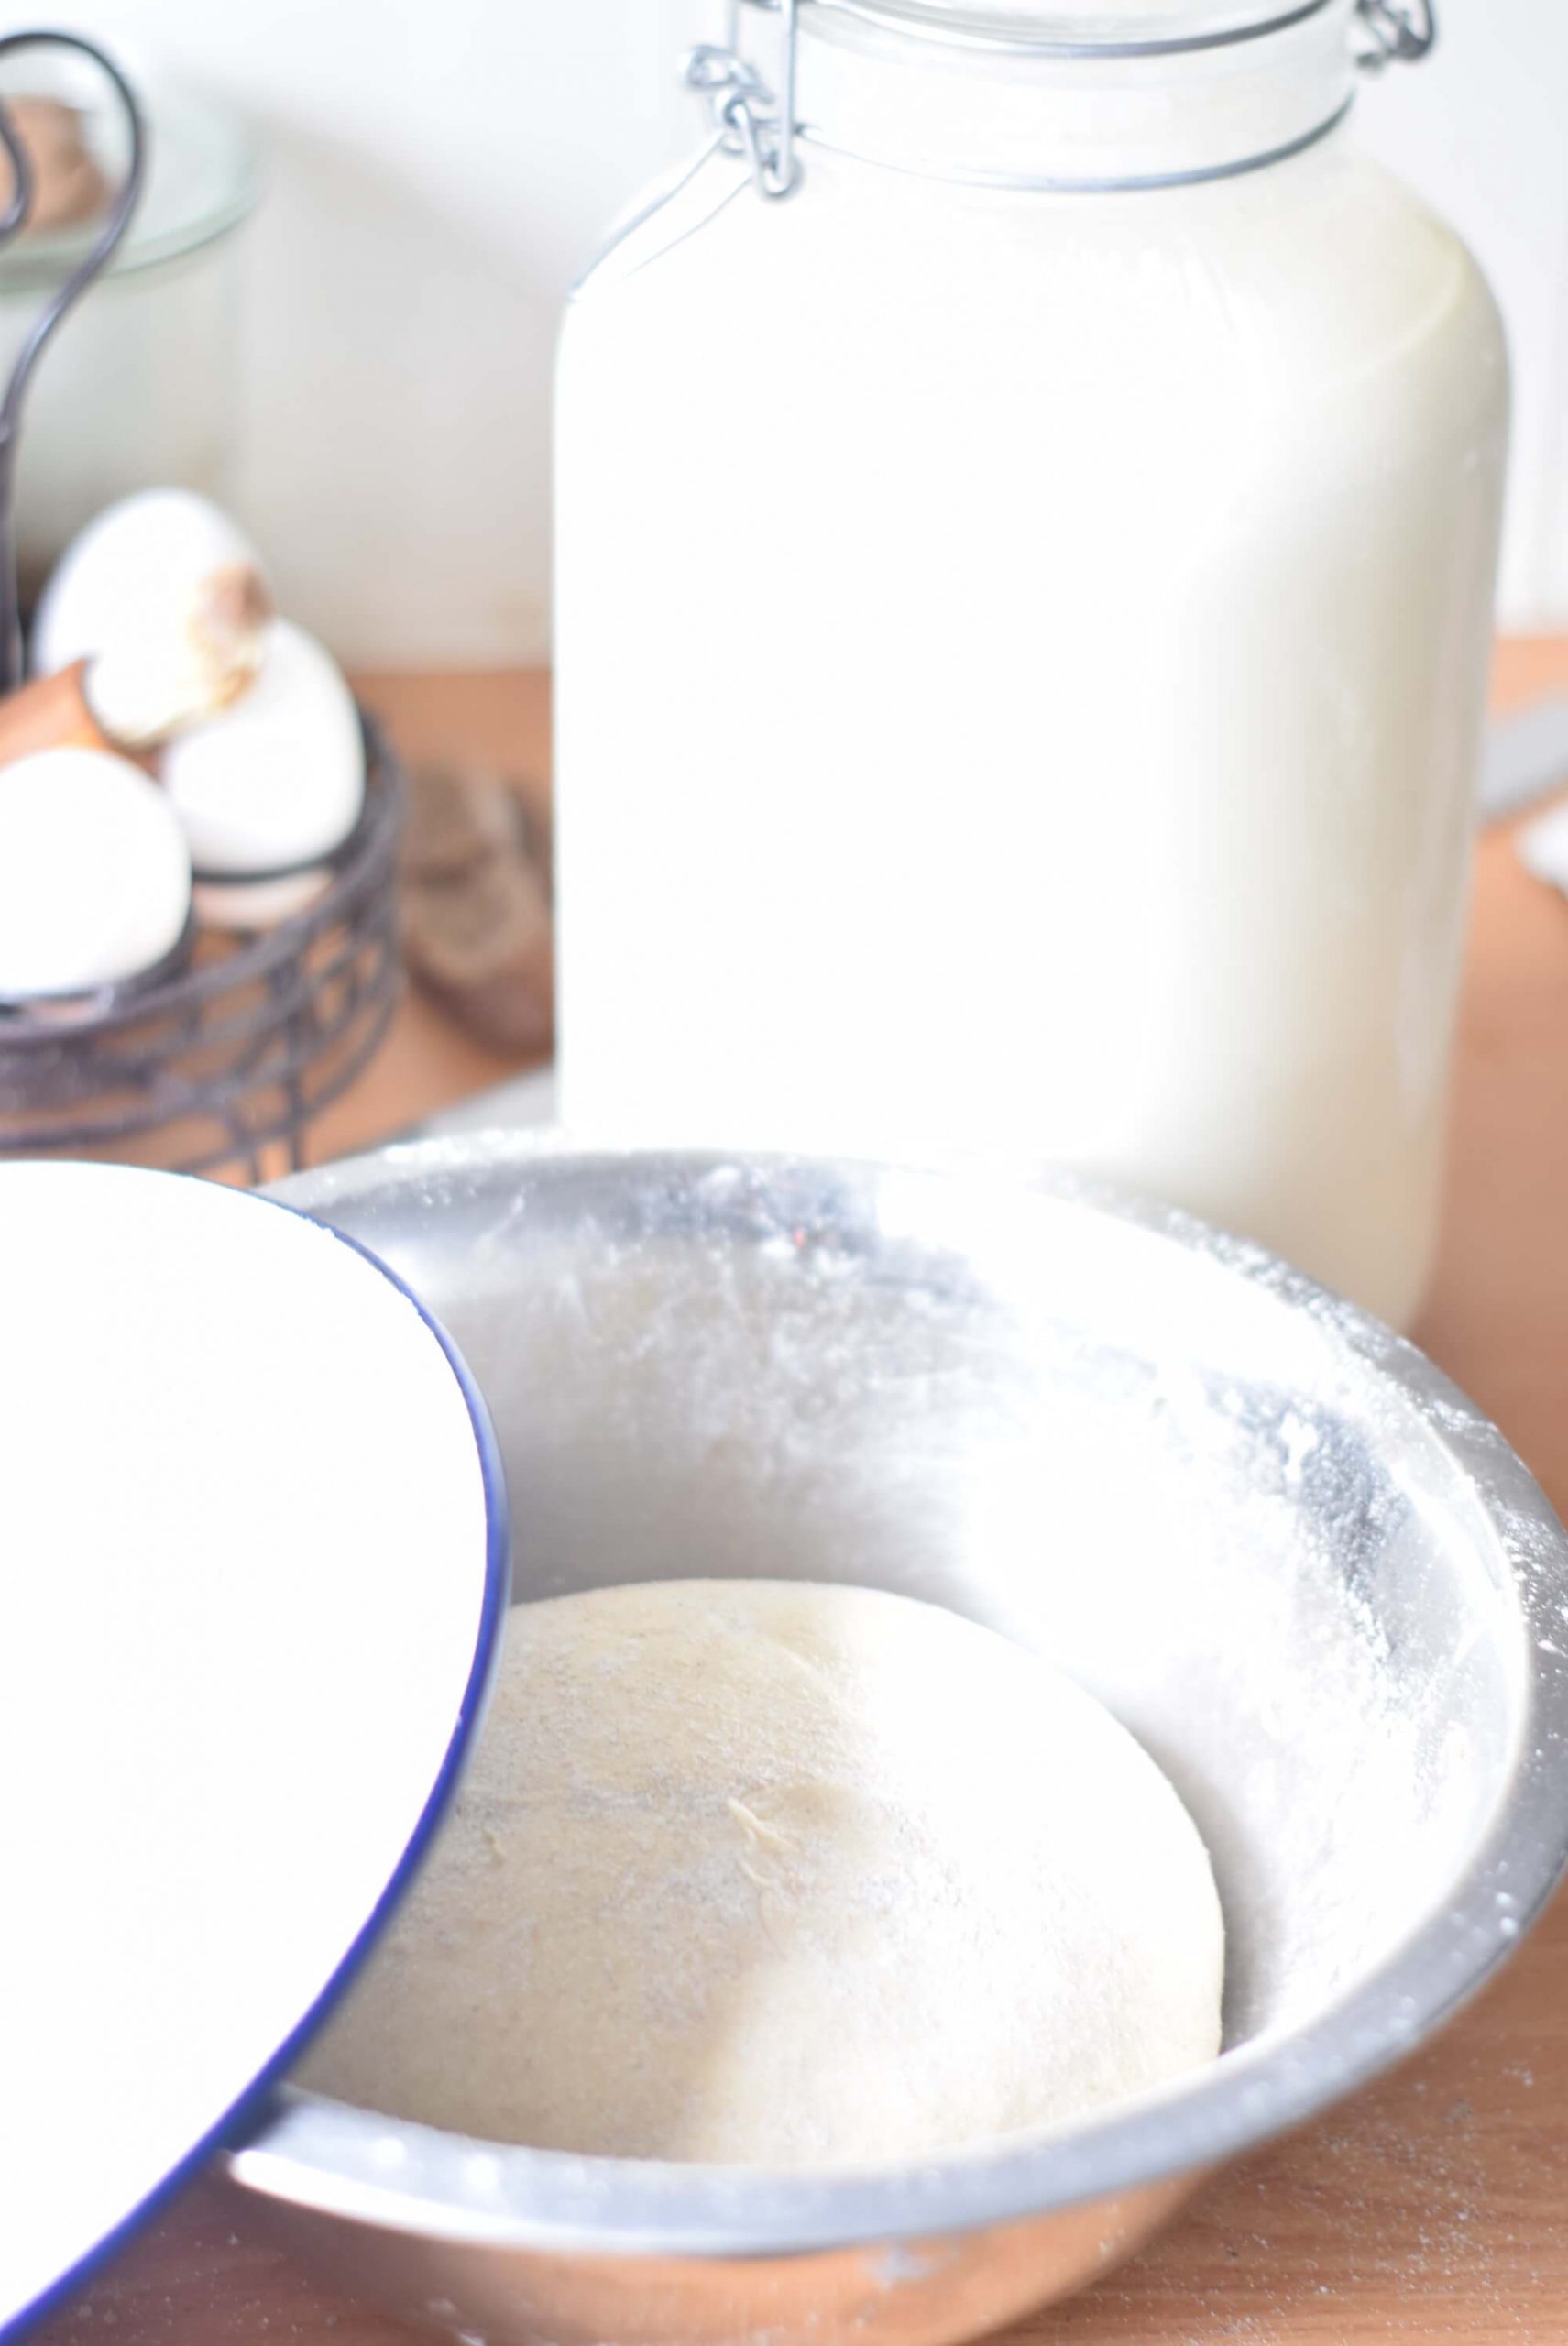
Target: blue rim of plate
241,2112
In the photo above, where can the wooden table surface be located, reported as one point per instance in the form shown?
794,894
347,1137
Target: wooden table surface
1434,2205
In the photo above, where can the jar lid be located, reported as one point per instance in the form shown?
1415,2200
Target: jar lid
203,175
1089,24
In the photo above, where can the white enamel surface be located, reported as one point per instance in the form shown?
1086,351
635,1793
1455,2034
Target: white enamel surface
242,1584
94,873
281,775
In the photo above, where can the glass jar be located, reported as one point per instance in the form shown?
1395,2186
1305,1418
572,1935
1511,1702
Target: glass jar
142,386
1026,549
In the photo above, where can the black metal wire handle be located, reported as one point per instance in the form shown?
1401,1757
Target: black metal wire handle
65,298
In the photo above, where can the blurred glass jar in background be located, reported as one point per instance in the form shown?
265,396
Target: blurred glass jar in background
141,385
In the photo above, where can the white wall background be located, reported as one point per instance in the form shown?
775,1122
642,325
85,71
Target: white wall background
442,169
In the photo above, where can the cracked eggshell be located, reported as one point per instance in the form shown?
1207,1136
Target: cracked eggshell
165,601
94,873
276,782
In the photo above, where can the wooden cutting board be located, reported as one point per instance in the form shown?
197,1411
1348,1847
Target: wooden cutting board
1437,2204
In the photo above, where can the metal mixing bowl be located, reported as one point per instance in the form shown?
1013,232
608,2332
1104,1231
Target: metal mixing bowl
1286,1552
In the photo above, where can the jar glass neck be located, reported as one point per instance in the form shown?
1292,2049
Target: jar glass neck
911,100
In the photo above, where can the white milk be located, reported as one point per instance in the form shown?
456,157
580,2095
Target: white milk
1022,653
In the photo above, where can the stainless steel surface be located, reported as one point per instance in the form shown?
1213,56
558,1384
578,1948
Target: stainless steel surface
1292,1557
1543,847
1526,758
525,1102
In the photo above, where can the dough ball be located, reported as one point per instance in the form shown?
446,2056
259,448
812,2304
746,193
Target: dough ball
785,1874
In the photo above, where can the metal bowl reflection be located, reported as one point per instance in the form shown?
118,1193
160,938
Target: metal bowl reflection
1288,1554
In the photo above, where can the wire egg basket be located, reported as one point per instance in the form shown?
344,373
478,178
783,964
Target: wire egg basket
202,1068
218,1061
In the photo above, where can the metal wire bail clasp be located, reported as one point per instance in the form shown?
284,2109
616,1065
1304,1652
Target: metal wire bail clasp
747,118
1395,32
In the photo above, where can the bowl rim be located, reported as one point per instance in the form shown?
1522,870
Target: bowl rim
359,2166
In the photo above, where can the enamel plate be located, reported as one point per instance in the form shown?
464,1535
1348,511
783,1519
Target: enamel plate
253,1564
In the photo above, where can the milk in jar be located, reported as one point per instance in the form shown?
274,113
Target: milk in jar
1026,548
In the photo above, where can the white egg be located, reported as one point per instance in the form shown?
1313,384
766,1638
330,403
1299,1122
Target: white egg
165,601
279,779
94,873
